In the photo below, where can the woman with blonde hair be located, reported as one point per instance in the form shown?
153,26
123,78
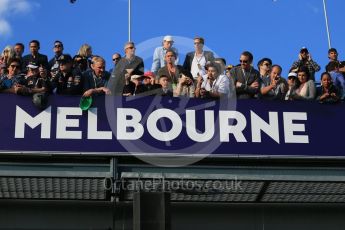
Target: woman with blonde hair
6,55
82,59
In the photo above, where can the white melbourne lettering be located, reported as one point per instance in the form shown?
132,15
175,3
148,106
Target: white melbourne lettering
131,127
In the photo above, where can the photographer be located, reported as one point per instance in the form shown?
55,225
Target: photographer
67,80
35,81
214,85
185,86
305,60
276,88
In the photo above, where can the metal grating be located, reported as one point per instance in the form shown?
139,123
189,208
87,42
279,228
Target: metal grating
303,198
307,187
305,192
52,188
195,190
234,191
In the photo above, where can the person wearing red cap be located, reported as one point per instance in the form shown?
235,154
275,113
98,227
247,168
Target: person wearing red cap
149,81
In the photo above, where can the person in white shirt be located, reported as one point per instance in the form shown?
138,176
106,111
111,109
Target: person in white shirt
195,61
160,52
213,85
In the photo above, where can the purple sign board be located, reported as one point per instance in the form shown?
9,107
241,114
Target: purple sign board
162,125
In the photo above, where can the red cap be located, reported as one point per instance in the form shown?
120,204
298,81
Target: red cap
149,74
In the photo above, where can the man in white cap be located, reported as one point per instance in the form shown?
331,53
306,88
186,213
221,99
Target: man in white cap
159,54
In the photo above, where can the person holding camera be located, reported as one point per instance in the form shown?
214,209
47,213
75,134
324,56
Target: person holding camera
185,86
68,80
276,88
305,60
213,85
34,81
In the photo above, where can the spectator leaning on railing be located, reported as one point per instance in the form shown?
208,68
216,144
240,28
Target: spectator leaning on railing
96,79
174,80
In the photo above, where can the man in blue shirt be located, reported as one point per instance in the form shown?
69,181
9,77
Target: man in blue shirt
159,54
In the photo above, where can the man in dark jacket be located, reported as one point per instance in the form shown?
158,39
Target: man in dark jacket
246,78
96,79
129,65
34,57
195,62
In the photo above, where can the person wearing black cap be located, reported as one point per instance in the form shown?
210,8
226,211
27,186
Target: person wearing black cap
305,60
67,80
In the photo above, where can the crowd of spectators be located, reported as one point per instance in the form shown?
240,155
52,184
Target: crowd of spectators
201,75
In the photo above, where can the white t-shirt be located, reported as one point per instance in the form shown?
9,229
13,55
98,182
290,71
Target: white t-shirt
198,66
220,85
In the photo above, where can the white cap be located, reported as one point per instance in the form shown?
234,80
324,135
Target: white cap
292,74
135,77
168,38
32,66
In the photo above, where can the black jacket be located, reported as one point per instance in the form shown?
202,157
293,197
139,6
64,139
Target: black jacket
39,60
187,65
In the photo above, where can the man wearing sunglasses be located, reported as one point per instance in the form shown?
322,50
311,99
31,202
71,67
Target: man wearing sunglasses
58,51
246,78
116,58
264,67
9,81
195,61
129,65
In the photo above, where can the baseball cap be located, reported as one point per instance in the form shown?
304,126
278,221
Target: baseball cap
229,67
32,65
135,77
149,74
304,49
168,38
292,75
65,58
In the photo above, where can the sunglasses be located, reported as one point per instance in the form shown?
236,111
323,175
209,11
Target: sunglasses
243,61
14,66
267,64
115,59
131,47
